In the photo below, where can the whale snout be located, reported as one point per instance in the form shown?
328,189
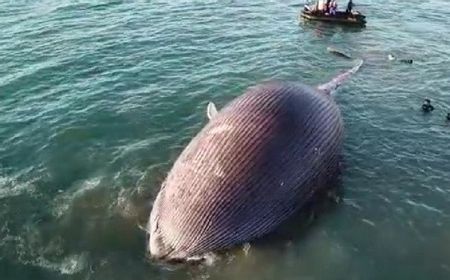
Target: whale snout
159,251
157,243
156,247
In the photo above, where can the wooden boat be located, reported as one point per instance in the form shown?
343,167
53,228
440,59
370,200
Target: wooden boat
354,18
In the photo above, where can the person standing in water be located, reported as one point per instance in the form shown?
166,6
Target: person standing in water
426,106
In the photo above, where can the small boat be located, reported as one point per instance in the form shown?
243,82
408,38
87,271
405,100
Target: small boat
353,18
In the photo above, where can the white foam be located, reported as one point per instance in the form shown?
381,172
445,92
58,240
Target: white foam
69,265
63,201
10,187
125,206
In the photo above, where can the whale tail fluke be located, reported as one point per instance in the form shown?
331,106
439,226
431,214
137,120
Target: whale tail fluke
336,82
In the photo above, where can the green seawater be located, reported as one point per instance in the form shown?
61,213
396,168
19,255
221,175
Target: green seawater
97,99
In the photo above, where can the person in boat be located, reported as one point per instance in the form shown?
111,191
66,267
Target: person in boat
426,106
328,6
333,8
349,7
321,6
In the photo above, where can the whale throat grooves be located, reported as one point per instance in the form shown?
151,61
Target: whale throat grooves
256,162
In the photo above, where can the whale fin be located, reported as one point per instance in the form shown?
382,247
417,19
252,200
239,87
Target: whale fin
331,86
211,110
142,228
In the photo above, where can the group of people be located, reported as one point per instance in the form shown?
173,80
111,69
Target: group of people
427,107
329,7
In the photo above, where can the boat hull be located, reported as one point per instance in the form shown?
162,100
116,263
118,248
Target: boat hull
339,18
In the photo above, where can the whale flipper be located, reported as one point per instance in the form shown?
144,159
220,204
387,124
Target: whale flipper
211,110
331,86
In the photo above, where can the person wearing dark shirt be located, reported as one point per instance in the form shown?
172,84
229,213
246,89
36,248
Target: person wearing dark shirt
349,7
327,6
426,106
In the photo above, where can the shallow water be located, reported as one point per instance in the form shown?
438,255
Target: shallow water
97,98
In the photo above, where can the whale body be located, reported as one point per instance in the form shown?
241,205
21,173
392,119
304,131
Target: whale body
253,165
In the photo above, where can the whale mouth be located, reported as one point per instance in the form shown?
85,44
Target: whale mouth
169,259
161,252
157,248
